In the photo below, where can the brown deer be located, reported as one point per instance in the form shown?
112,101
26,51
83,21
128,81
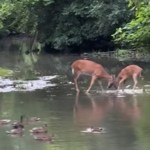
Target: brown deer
133,71
87,67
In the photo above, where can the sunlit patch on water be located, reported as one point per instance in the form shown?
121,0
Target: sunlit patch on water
127,91
70,83
8,85
120,93
124,92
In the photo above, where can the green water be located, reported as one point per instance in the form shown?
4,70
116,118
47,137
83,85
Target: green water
125,119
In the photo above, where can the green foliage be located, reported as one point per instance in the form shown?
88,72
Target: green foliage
21,16
136,33
63,23
72,22
5,11
5,72
22,19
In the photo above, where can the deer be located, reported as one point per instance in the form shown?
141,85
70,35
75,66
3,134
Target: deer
91,68
133,71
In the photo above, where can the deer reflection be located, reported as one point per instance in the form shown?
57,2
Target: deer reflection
129,109
93,112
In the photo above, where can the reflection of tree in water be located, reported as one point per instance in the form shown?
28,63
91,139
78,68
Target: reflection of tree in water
21,61
26,66
142,129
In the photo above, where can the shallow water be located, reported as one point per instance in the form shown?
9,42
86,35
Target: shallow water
124,118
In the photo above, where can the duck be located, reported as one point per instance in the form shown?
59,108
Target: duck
39,129
5,121
18,124
17,130
93,130
97,130
43,137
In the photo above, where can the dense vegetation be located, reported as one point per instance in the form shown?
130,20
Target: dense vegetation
77,25
136,33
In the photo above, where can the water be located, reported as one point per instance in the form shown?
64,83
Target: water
125,119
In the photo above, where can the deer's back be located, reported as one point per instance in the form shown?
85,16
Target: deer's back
130,70
87,67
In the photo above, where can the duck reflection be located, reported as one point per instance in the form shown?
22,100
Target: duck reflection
90,110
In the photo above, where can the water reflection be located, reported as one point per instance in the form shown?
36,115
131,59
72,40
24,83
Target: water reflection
128,108
119,116
93,111
125,119
14,56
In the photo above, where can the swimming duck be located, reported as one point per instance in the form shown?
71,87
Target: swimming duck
18,124
97,129
43,137
39,129
4,121
93,130
15,131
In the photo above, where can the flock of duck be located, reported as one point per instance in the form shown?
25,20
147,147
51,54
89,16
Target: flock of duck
39,133
17,128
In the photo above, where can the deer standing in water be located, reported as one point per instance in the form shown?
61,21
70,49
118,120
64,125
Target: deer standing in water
133,71
87,67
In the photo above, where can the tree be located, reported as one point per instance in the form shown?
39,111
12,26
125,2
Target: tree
136,33
64,23
71,22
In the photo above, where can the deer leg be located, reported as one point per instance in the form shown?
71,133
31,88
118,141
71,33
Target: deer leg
91,84
135,80
120,83
100,83
76,76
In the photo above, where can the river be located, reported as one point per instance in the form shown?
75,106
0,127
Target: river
125,119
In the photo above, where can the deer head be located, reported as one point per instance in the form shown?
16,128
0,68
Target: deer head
112,82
